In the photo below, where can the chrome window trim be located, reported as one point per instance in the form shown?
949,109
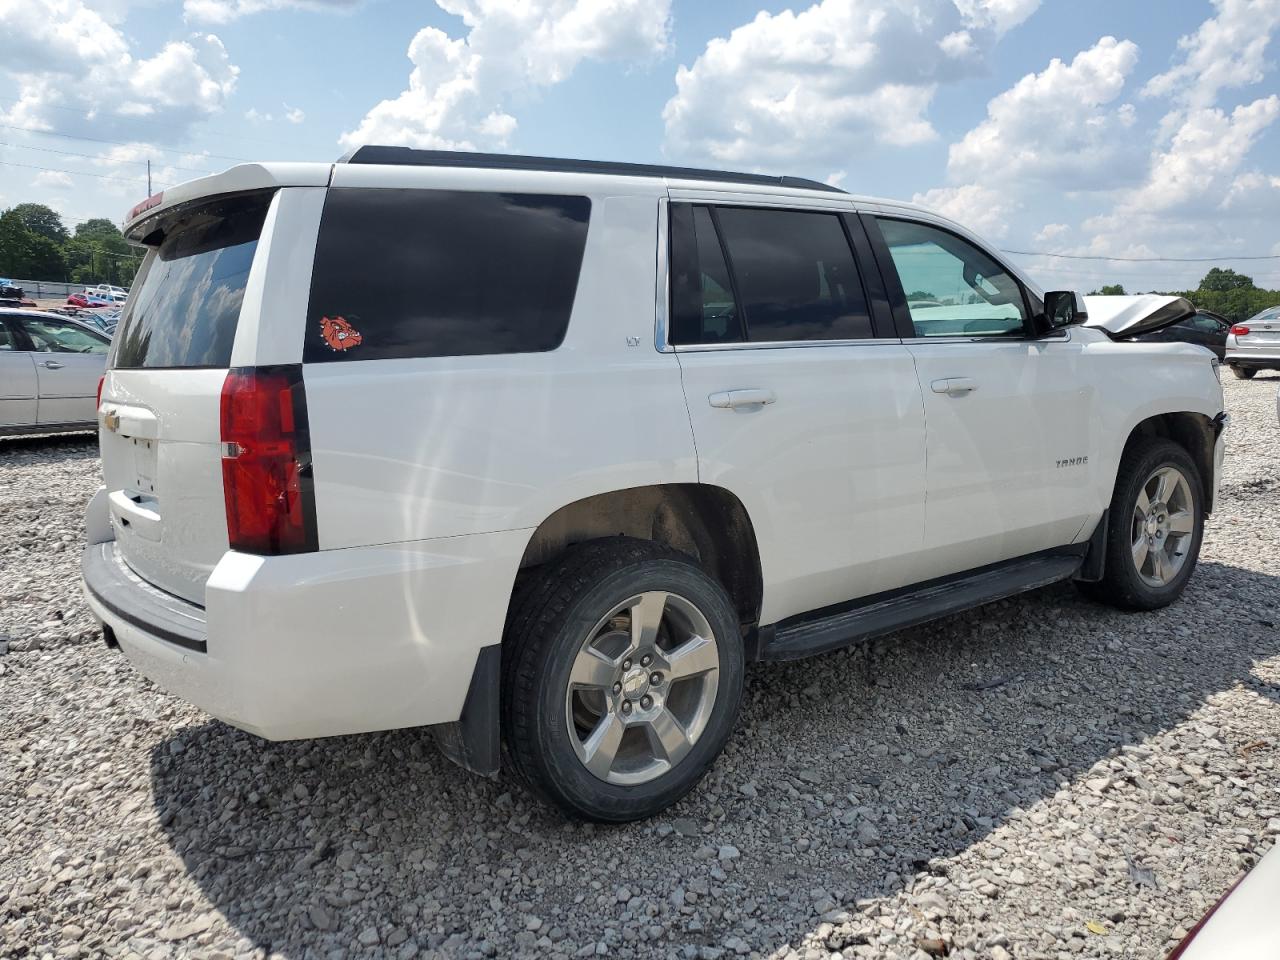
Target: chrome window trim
1064,335
662,308
784,344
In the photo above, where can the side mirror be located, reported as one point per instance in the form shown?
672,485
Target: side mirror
1062,308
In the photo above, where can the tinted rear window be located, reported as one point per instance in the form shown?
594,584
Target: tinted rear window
437,273
795,275
185,301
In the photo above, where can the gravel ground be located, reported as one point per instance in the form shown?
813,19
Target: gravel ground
1040,778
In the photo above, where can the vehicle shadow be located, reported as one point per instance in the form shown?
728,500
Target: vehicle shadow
39,442
931,739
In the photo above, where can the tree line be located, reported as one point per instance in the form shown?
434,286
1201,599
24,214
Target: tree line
36,245
1231,295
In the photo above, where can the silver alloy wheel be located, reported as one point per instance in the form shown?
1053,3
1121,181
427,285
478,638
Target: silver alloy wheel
642,688
1163,522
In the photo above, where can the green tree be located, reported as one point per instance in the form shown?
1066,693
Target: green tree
42,220
28,255
1218,280
1112,290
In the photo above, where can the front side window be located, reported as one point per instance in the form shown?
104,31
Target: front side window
790,276
953,289
55,336
443,273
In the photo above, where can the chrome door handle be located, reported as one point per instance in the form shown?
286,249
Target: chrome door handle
53,365
954,386
732,399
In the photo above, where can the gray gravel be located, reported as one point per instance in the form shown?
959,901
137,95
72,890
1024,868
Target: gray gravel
1040,778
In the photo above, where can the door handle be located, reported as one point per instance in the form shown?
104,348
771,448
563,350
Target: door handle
954,386
732,399
53,365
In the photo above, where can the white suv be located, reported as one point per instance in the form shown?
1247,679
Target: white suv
541,452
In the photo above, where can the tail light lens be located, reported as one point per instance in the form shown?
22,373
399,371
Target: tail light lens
101,380
266,461
1239,330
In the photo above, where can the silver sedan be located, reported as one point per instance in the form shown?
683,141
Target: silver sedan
49,372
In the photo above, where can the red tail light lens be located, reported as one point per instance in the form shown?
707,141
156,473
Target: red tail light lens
266,461
100,382
1239,330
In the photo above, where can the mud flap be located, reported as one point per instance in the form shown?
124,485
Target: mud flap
472,741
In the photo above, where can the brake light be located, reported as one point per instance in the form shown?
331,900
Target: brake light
100,381
266,461
1239,330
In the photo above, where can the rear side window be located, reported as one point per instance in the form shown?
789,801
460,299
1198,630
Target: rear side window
442,273
185,301
791,276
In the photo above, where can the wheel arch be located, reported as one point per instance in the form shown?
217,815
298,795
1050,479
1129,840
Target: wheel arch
707,523
1194,432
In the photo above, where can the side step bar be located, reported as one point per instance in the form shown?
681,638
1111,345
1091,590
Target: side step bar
804,637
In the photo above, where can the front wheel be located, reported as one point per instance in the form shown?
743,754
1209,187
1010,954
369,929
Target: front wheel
1243,373
1156,523
622,674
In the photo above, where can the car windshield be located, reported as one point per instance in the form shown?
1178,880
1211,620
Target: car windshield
1271,313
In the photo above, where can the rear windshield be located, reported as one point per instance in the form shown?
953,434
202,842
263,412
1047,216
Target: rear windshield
440,273
185,301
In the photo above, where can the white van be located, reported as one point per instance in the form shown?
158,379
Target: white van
540,452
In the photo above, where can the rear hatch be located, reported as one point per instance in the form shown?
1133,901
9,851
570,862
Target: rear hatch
160,432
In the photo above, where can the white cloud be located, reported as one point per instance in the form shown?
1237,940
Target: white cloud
63,55
254,115
1199,163
1057,126
461,90
816,85
294,114
53,180
981,209
224,11
1051,232
1228,50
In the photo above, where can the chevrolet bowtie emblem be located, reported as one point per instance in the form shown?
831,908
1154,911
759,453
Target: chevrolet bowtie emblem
111,421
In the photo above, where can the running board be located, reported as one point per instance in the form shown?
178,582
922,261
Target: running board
798,638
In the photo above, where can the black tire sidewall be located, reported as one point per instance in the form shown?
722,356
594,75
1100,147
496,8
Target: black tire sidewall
1133,591
555,763
1243,373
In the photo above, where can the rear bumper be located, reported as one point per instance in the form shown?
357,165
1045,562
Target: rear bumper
318,644
1265,357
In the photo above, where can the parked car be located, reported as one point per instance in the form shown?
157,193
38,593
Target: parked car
50,367
1243,924
544,451
108,292
1255,344
86,301
1203,327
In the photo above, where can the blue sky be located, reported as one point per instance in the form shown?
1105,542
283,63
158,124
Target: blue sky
1152,135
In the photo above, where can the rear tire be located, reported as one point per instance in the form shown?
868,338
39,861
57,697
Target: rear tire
1156,523
622,675
1243,373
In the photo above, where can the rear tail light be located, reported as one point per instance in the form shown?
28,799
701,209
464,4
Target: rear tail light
266,461
1239,330
100,382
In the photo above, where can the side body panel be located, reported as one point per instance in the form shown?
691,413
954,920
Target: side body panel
417,448
68,386
1006,461
17,388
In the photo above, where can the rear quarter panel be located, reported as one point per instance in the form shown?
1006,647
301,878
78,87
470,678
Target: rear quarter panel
419,448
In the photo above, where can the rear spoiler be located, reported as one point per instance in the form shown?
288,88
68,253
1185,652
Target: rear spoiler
1122,317
145,216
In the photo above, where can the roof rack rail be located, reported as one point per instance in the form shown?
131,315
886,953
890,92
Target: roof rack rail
410,157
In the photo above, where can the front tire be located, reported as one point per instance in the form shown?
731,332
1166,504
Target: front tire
622,675
1156,523
1243,373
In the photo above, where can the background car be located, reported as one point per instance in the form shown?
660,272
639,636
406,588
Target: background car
1255,344
1203,327
50,367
